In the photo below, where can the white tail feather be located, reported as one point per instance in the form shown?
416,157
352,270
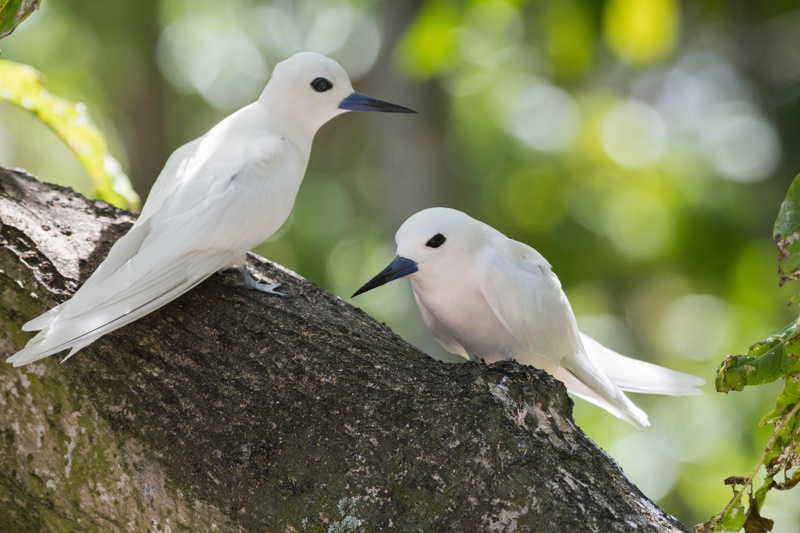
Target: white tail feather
633,375
122,252
621,407
588,383
603,375
41,321
89,319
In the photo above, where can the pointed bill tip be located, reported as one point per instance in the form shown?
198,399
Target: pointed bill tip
362,102
362,290
400,267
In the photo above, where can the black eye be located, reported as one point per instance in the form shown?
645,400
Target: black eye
321,85
436,241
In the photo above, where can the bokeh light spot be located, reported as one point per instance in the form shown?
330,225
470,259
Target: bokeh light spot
634,134
428,46
640,456
188,57
490,33
544,117
641,31
696,327
742,145
639,223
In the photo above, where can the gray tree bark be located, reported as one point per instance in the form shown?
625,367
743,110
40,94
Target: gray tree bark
231,410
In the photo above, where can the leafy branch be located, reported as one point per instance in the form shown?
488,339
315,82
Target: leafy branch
766,361
23,86
733,517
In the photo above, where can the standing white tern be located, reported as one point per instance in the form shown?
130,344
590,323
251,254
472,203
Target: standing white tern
216,198
483,295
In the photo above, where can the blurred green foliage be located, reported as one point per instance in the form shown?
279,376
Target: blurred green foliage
647,166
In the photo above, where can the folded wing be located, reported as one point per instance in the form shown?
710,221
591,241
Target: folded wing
526,297
193,235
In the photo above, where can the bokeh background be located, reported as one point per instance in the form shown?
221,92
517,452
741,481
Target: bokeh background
642,146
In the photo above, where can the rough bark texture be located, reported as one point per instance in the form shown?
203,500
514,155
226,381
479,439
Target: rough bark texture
231,410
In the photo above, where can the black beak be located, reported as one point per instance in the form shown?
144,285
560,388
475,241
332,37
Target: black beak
362,102
399,268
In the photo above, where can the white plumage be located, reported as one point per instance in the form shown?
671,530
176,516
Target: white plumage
483,295
216,198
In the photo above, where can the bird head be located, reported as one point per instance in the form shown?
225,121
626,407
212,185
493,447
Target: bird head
434,244
312,89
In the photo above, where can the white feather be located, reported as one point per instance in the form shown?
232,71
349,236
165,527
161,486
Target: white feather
640,376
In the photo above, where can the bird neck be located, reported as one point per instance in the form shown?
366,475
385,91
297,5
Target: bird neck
300,122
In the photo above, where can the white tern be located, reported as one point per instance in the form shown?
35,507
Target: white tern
483,295
216,198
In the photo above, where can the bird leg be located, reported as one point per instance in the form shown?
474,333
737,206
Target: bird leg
222,271
251,283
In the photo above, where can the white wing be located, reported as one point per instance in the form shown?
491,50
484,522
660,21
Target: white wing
202,226
182,165
181,168
526,296
171,176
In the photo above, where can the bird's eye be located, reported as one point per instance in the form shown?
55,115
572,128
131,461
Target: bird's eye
321,85
436,241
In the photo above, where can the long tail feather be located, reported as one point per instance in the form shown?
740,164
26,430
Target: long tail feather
639,376
587,384
119,255
91,319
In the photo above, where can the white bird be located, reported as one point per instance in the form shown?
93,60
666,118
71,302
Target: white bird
485,296
216,198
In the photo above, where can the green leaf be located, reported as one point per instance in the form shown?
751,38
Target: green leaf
786,400
761,493
23,86
765,361
735,518
756,523
12,12
787,234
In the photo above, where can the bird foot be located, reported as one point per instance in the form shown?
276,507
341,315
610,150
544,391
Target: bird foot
252,284
266,288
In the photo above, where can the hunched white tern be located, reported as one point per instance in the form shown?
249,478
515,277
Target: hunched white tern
216,198
483,295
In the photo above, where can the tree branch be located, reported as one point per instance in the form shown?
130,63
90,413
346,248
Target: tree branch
234,410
